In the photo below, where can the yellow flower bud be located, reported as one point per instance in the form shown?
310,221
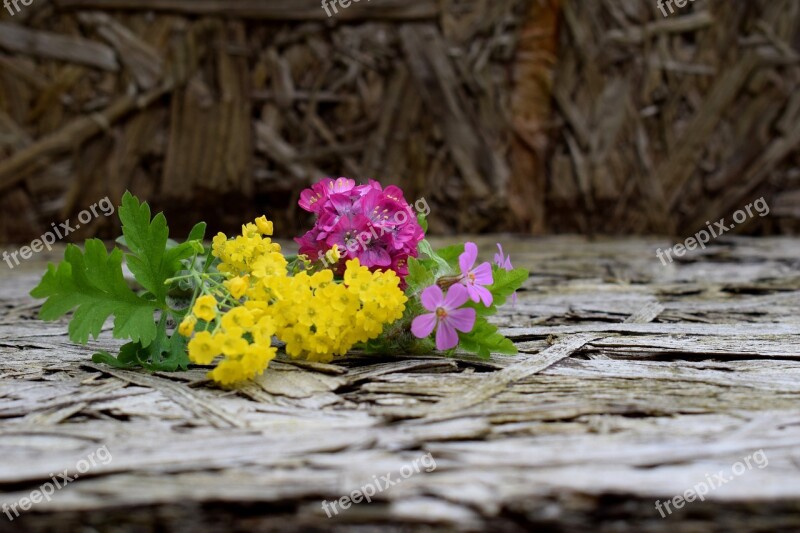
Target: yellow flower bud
238,286
187,326
264,225
205,308
333,255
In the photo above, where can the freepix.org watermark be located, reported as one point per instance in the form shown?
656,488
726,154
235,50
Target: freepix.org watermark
703,237
106,208
713,482
15,3
664,4
57,482
327,5
367,491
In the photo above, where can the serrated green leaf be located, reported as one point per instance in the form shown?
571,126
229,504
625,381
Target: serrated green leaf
175,357
164,354
420,274
93,285
505,283
484,340
151,262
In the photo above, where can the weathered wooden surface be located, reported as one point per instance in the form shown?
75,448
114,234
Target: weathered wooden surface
635,382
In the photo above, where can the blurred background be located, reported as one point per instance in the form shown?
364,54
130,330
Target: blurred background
529,116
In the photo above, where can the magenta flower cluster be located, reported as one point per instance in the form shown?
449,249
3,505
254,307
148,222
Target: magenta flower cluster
446,315
367,222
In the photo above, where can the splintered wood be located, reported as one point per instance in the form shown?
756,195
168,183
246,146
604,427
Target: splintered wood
635,383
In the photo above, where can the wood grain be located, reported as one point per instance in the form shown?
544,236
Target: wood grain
634,383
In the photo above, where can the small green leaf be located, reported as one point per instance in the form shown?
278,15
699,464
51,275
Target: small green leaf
164,354
127,358
426,249
505,283
420,274
198,232
422,220
484,340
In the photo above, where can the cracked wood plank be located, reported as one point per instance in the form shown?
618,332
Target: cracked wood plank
635,381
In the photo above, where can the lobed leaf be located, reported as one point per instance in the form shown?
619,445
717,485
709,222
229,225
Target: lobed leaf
93,285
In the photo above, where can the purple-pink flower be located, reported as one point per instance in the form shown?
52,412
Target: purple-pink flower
445,316
475,279
501,260
504,262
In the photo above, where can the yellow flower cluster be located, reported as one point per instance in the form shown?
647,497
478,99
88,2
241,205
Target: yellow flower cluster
314,315
252,251
244,338
318,318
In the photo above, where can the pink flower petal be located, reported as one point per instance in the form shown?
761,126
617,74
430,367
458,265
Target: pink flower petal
456,296
484,294
446,336
423,325
483,274
371,257
462,319
467,259
342,185
473,294
432,297
499,256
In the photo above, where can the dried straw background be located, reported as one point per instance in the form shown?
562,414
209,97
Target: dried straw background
665,123
529,115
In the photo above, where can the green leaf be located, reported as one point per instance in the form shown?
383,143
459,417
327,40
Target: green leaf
422,220
176,357
425,248
164,354
420,274
505,283
127,358
198,232
150,260
484,340
480,309
450,254
93,285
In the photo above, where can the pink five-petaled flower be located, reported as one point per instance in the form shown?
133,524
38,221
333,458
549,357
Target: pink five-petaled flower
445,316
475,278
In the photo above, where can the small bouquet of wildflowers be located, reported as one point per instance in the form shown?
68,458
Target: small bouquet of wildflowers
365,278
